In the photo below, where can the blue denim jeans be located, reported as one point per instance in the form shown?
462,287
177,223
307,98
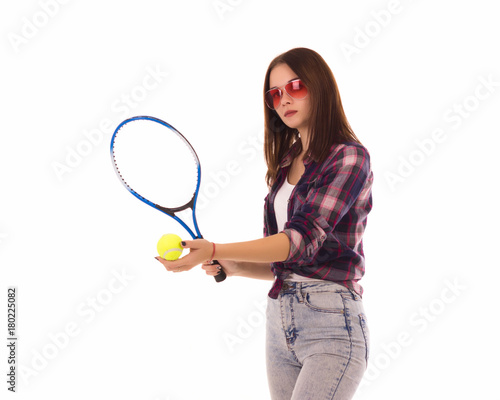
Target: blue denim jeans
317,342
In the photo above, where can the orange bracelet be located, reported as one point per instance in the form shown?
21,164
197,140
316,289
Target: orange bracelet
213,253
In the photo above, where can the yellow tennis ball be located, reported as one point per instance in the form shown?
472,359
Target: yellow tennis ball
169,247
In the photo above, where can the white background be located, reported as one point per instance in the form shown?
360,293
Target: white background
68,228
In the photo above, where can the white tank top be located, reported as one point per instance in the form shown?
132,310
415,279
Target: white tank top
281,212
281,204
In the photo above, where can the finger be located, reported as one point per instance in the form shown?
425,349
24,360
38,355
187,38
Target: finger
188,244
169,265
173,263
171,268
161,260
212,269
209,268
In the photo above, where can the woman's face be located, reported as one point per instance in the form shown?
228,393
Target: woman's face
293,112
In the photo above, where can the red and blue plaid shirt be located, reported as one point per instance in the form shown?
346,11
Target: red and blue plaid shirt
327,215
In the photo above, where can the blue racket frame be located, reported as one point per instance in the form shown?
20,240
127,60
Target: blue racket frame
168,211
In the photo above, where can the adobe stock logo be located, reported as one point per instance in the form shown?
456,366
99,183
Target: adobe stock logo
455,115
93,137
222,7
363,37
86,312
246,326
419,322
246,153
31,26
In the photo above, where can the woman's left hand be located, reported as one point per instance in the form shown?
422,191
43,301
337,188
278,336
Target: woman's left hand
200,251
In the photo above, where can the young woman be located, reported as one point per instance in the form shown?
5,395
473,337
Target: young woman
320,181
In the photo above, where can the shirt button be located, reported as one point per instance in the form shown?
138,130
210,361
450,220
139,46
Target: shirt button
286,286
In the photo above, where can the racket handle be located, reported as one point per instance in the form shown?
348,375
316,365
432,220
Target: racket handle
221,275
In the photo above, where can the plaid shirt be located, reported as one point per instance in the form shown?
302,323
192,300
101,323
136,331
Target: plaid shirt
327,214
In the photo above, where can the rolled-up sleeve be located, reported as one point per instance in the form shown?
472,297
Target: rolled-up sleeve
331,196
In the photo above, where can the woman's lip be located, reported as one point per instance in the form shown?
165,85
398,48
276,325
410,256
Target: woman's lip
289,113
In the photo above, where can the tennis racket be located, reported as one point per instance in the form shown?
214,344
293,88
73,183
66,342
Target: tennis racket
158,165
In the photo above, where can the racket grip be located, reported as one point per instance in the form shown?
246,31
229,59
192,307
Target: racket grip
221,275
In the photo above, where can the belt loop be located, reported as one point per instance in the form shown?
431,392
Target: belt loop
355,296
300,295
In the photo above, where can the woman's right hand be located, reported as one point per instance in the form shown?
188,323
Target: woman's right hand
231,268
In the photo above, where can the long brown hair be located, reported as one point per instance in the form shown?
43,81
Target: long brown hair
328,122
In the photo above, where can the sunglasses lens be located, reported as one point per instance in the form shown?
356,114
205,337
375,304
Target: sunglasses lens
273,98
296,89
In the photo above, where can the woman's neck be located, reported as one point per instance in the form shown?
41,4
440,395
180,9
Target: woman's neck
304,138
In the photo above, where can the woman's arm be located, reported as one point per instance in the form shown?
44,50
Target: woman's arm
266,250
242,268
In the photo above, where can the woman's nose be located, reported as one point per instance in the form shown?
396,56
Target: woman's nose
286,98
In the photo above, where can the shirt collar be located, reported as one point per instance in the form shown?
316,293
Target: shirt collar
290,155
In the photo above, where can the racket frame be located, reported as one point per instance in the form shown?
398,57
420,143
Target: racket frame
168,211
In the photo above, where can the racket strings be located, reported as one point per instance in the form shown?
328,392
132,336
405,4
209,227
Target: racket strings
121,176
156,163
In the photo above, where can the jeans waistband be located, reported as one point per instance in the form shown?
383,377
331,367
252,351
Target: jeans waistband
334,287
